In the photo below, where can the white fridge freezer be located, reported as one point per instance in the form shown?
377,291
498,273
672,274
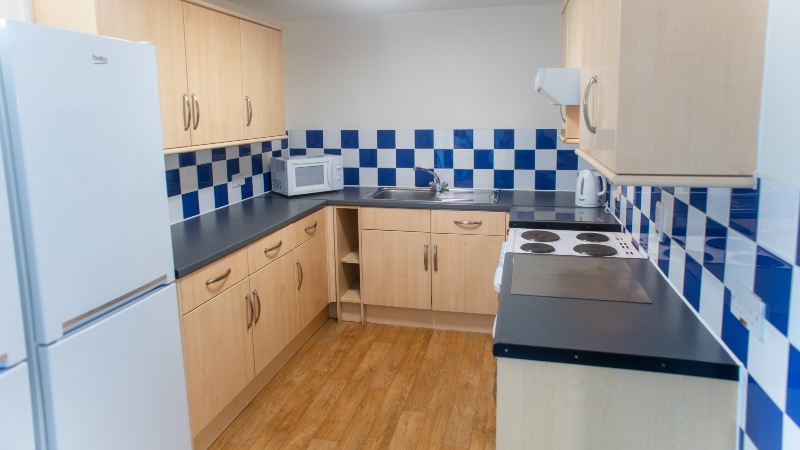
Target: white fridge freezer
87,185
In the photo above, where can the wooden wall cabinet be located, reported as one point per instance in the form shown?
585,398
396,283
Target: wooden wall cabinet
436,260
674,90
571,43
220,74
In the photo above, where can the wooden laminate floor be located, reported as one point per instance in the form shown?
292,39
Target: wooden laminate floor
375,387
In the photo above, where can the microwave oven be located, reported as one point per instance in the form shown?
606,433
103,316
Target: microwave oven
298,175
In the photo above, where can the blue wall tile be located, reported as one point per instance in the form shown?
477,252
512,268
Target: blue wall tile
764,419
773,283
546,139
350,176
368,157
637,196
715,248
793,386
423,138
386,139
244,150
566,160
205,177
744,211
187,159
484,159
462,138
546,180
698,197
404,158
629,218
463,178
218,154
663,254
655,197
313,138
191,204
247,188
333,151
173,182
297,152
734,334
220,195
644,229
387,177
349,138
422,179
257,163
680,218
233,168
691,282
443,159
504,139
504,179
524,159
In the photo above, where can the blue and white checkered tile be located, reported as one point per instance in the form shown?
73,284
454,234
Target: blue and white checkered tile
724,242
527,159
201,181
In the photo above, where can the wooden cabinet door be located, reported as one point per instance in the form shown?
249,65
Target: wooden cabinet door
588,70
311,272
463,273
571,34
262,81
159,22
214,73
273,289
607,15
396,268
218,353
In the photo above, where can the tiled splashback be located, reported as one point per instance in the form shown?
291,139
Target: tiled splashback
466,158
201,181
717,241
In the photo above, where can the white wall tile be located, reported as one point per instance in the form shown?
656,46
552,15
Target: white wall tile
256,148
423,157
368,138
504,159
583,165
447,175
175,209
171,161
778,210
718,206
682,194
546,160
387,158
442,139
258,185
483,178
669,202
234,193
741,413
695,234
748,443
652,244
524,139
768,363
565,180
350,157
404,139
794,309
188,179
203,157
791,433
315,151
297,139
368,176
712,301
219,172
405,177
245,166
646,195
483,139
677,265
636,223
332,138
463,159
740,260
232,151
526,180
206,199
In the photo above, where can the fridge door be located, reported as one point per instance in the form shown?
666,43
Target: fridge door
86,142
16,418
119,382
12,338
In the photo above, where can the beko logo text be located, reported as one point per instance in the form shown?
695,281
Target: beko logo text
100,59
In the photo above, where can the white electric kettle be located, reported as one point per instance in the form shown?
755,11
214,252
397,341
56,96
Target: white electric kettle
586,189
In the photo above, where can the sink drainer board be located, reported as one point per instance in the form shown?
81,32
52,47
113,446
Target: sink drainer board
579,277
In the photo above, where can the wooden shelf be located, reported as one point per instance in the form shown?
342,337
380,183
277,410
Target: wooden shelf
353,295
351,258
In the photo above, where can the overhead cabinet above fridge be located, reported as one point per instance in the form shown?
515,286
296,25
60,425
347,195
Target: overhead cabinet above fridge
671,91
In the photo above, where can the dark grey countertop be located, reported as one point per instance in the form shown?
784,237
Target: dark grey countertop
664,336
563,218
203,239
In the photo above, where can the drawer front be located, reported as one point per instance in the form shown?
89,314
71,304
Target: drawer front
211,280
396,219
308,227
270,248
469,222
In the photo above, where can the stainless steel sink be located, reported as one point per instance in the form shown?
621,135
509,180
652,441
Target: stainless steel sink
427,195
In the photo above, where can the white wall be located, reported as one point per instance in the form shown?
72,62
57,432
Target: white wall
16,10
472,68
778,153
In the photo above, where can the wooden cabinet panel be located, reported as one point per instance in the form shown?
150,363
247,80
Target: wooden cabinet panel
159,22
468,222
278,243
396,219
571,33
218,354
195,288
276,114
308,227
255,88
273,289
463,274
395,268
311,268
214,73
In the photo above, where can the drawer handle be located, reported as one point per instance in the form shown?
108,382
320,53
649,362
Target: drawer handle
312,227
219,278
435,258
274,247
258,303
300,274
249,311
425,256
467,222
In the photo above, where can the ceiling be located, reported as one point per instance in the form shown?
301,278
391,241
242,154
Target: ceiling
286,10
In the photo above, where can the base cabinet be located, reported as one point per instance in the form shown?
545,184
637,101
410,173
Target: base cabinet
312,277
396,268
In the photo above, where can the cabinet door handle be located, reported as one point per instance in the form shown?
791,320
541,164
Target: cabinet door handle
219,278
274,247
187,112
435,258
300,274
467,222
249,110
258,303
592,129
196,111
425,256
249,311
312,227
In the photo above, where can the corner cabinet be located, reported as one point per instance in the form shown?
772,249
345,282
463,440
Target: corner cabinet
220,74
673,90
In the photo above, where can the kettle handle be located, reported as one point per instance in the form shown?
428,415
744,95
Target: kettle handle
603,182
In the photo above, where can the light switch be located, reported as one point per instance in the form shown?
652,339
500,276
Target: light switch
749,309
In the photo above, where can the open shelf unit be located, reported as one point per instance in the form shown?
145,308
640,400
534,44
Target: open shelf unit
348,269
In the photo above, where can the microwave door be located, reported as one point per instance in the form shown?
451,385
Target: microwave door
310,177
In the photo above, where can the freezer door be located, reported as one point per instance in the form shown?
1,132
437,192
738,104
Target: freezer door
16,418
86,141
12,338
119,382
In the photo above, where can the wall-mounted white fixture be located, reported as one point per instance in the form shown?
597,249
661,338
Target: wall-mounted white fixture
559,86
